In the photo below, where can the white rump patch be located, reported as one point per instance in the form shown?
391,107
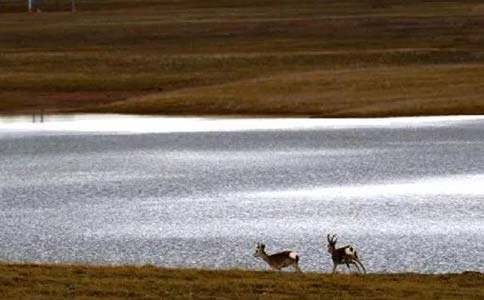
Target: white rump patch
349,251
293,255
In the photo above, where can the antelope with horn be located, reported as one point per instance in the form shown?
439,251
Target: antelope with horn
279,260
345,255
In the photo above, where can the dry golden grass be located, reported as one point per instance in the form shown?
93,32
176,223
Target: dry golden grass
170,51
84,282
362,92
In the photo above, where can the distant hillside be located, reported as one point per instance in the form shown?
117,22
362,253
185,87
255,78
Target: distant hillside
311,57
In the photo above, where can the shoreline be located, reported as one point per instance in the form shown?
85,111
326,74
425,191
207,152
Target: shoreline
123,123
57,281
60,113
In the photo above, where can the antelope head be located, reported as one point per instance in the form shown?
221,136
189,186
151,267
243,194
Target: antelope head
259,250
332,243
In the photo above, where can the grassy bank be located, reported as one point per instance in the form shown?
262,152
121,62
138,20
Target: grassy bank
83,282
310,57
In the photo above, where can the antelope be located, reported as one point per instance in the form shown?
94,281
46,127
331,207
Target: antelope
279,260
345,255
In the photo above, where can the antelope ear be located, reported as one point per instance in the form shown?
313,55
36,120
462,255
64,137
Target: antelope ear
262,246
329,240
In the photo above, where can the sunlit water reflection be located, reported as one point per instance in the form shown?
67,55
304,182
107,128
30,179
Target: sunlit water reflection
194,192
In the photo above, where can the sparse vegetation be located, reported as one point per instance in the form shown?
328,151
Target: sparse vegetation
311,57
129,282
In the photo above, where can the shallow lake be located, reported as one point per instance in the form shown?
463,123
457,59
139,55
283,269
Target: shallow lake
408,193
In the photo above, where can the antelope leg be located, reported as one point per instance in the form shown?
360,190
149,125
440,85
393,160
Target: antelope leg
356,265
361,265
348,266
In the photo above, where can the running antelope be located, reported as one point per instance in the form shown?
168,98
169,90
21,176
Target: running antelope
279,260
345,255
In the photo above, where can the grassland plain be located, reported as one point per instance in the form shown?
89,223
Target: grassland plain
310,57
18,281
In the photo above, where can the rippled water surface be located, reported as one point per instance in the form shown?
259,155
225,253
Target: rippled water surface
408,193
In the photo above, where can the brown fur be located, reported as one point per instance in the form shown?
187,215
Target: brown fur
344,255
279,260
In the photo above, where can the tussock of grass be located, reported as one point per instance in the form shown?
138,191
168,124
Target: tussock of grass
119,50
127,282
